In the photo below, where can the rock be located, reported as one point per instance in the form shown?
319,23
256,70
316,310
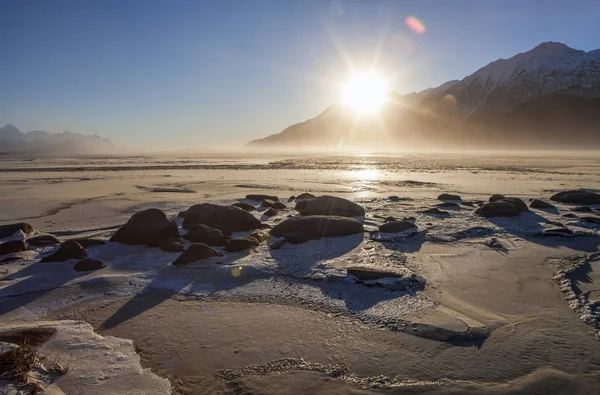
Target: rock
469,204
292,198
394,198
569,215
89,242
389,219
170,244
244,206
582,209
224,218
540,204
494,243
305,196
260,236
181,214
500,208
267,203
397,226
496,197
447,196
206,235
196,252
555,223
10,259
89,264
12,246
576,197
330,205
448,205
271,212
279,206
241,244
44,240
277,244
518,203
297,238
367,273
11,229
591,220
68,250
318,226
556,231
435,211
265,226
146,227
260,198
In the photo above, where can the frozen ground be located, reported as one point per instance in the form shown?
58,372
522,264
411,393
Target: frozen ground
308,307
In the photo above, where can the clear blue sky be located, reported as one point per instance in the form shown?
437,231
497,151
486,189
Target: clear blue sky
172,74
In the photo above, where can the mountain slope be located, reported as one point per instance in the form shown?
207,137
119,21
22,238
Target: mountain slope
546,96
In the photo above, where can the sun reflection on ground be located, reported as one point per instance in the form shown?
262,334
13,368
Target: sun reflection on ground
371,174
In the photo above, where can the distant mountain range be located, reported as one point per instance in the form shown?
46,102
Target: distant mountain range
546,97
42,143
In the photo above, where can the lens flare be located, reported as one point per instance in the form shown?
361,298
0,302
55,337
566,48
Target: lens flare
415,25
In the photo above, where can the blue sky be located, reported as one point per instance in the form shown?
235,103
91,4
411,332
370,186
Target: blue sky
176,74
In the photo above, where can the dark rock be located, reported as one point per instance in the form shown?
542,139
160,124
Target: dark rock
292,198
318,226
279,206
435,211
260,236
206,235
44,240
146,227
305,196
271,212
394,198
297,238
411,219
448,205
577,197
170,244
244,206
554,223
88,242
390,219
496,197
518,203
447,196
494,243
277,244
266,226
469,204
500,208
569,215
267,203
591,220
241,244
540,204
196,252
10,259
89,264
224,218
68,250
330,205
260,198
582,209
12,246
397,226
11,229
181,214
367,273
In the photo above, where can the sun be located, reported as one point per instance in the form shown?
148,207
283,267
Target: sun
365,93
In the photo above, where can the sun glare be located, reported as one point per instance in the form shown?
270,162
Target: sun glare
364,93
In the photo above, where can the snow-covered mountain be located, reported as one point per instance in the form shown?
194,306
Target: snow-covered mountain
548,96
40,142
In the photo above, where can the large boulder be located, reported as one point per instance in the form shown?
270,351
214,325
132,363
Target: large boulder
495,197
205,234
518,203
12,246
224,218
11,229
448,196
196,252
68,250
330,205
241,244
540,204
500,208
397,226
89,264
318,226
146,227
577,197
260,197
43,240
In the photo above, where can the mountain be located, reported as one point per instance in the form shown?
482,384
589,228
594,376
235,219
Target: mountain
42,143
546,97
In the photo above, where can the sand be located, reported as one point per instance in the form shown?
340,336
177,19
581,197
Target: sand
291,320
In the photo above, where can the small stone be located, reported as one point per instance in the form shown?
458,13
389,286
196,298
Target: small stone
447,196
271,212
241,244
171,244
367,273
540,204
292,198
88,242
43,240
12,246
277,244
244,206
196,252
591,220
448,205
397,226
260,198
11,229
435,211
68,250
89,264
261,236
582,209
